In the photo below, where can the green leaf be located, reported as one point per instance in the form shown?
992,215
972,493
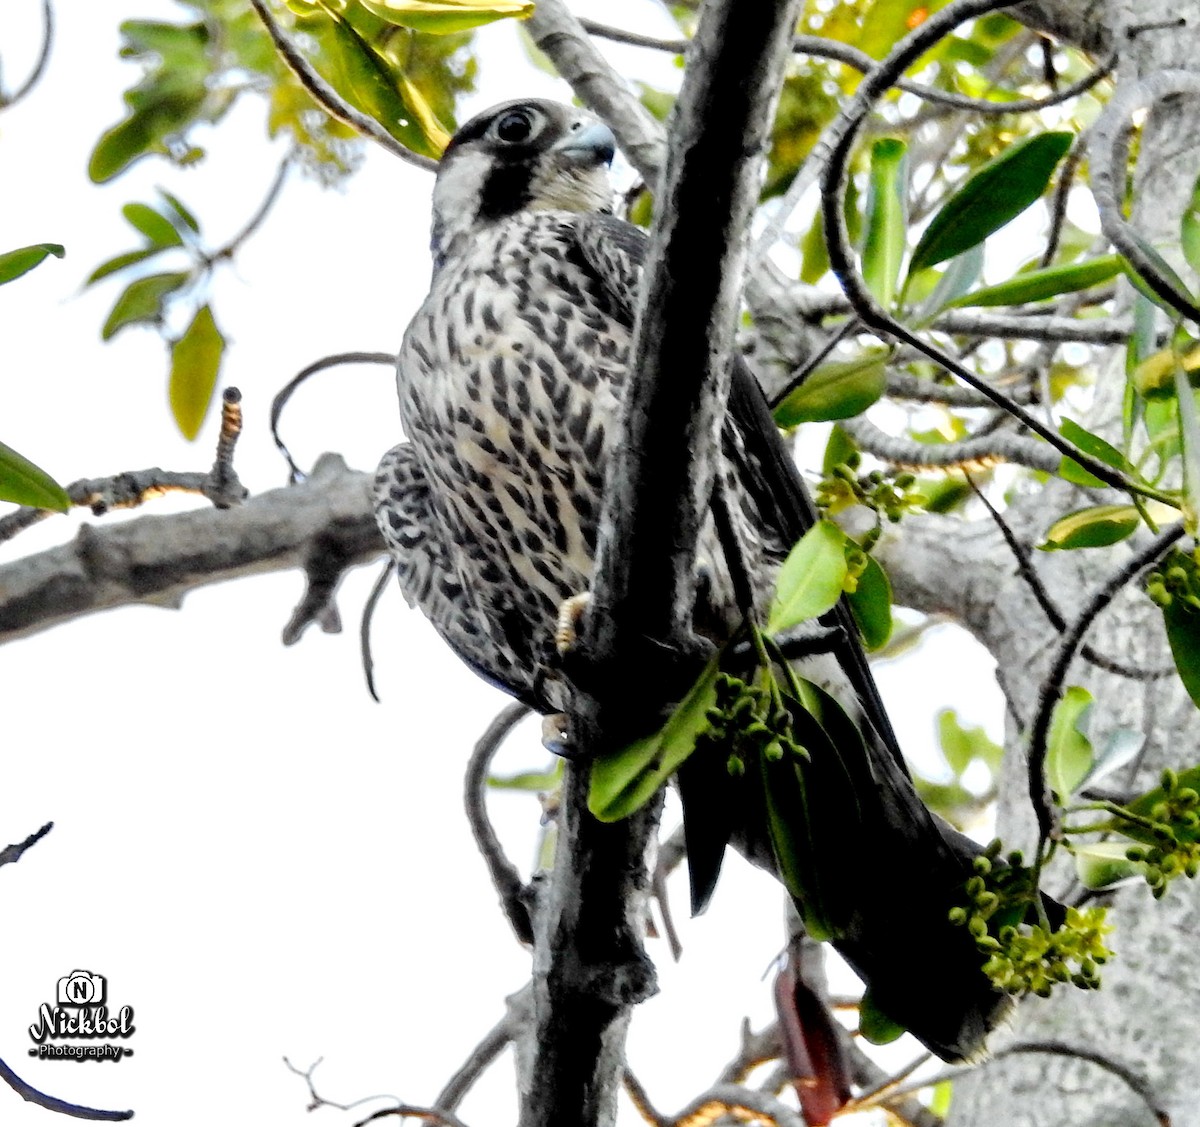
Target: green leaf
838,449
961,273
962,746
195,363
992,197
811,578
1189,230
444,17
1183,633
26,484
1166,273
836,390
624,781
1070,470
181,212
1103,864
1038,285
14,263
884,240
363,76
874,1025
141,302
1068,749
157,228
538,781
1094,527
130,258
871,604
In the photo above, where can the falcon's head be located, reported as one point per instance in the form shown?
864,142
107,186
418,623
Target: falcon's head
521,156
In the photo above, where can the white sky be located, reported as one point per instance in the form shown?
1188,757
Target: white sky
260,859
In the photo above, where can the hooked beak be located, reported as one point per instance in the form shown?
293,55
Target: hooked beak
591,144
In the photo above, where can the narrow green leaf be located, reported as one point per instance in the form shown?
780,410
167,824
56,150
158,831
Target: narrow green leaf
1103,864
141,302
1038,285
157,228
1189,230
445,17
1070,470
838,449
181,212
814,254
1183,633
993,196
119,262
884,240
1166,273
871,604
623,782
1094,527
960,274
195,363
26,484
1068,749
811,578
14,263
836,390
539,781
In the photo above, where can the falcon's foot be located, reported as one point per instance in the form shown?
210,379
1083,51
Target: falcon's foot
570,614
556,734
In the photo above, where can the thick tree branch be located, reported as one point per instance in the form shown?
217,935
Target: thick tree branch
158,559
589,969
562,37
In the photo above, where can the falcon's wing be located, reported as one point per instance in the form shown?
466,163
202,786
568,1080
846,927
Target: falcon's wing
404,512
614,252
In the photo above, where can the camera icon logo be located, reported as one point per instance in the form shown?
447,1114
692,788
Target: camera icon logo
81,988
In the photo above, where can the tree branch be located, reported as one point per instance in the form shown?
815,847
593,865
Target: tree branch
562,37
589,968
13,853
156,560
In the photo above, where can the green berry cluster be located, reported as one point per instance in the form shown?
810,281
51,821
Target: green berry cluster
748,720
1023,958
888,496
1177,578
1176,822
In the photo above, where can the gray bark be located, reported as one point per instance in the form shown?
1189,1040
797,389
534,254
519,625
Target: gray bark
1144,1018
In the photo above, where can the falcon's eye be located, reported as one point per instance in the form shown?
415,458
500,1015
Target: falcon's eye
515,126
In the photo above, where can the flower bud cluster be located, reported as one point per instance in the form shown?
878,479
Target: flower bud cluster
889,496
747,720
1023,958
1175,850
1177,578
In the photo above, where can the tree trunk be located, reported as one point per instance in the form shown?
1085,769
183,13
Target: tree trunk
1143,1019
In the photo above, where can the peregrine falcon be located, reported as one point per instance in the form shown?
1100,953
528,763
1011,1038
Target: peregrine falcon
510,379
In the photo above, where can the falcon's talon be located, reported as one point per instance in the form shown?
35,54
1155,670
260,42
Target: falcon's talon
570,614
556,732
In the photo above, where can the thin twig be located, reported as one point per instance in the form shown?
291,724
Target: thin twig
1107,152
364,626
494,1042
295,473
51,1103
505,877
39,67
1052,685
839,142
259,217
814,361
13,853
1058,207
641,1101
755,1049
411,1111
742,1103
316,1100
830,49
1034,581
329,99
